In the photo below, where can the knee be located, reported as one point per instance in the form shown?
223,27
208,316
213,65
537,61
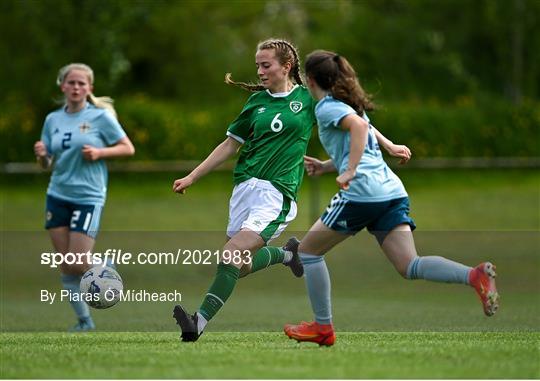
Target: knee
232,245
231,251
236,255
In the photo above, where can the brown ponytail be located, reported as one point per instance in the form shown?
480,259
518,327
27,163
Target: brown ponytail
335,74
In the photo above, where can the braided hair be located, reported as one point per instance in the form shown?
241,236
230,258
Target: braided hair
285,53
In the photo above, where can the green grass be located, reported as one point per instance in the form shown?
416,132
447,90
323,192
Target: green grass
271,355
440,200
388,327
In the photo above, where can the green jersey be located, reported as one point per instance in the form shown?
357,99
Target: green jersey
274,130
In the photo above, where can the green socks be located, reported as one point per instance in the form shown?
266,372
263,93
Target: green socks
227,276
220,290
267,256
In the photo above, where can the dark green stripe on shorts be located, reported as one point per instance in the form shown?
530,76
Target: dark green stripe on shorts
269,231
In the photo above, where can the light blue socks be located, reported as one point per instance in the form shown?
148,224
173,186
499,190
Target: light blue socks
438,269
72,284
432,268
318,287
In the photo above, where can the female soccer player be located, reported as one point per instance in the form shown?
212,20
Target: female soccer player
272,133
75,140
371,196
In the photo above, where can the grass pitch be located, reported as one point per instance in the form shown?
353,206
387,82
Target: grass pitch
271,355
387,327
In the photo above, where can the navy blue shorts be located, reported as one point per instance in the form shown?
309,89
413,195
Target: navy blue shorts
380,218
83,218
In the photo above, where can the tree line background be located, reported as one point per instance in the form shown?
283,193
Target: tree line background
452,78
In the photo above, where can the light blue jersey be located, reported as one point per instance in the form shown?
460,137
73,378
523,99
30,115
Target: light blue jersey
73,178
374,180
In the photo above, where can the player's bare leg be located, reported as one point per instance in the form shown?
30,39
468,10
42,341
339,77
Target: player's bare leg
399,248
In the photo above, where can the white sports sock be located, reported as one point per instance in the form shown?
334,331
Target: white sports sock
288,256
201,323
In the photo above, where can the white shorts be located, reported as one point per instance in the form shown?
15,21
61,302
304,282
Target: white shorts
257,205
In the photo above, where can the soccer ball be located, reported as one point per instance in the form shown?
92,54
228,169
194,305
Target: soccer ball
101,287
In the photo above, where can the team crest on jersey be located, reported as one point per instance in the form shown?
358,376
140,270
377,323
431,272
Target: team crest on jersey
295,106
84,128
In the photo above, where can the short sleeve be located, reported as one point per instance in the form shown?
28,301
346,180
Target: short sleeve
46,134
331,112
240,128
111,130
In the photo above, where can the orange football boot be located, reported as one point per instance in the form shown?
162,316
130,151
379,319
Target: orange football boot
482,278
322,334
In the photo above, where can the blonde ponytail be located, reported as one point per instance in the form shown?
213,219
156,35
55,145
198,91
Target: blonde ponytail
103,102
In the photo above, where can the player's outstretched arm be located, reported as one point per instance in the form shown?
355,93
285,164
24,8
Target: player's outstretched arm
316,167
222,152
396,150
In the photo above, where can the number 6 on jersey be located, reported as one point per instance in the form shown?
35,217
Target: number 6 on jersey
276,125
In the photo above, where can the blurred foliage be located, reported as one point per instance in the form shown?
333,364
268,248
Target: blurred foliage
454,77
467,128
